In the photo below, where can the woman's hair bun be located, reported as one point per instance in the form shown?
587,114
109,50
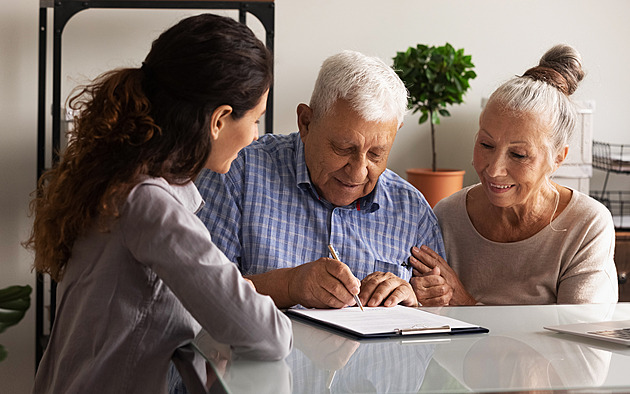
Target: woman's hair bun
560,66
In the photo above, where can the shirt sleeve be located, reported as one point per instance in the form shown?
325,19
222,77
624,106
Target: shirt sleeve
430,234
170,240
591,275
222,211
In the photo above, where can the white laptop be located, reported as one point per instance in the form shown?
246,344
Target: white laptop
612,331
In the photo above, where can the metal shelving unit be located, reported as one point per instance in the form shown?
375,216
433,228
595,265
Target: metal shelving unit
62,12
613,158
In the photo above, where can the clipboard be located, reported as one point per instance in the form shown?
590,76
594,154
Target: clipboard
381,322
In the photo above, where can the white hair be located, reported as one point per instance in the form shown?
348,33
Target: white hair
370,86
526,96
544,90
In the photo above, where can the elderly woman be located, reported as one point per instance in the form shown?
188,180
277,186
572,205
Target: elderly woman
517,237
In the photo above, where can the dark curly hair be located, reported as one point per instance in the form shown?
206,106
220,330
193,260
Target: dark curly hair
148,121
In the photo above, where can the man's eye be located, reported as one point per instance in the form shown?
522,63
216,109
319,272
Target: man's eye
342,151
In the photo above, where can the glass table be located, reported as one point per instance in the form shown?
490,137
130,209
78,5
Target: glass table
516,355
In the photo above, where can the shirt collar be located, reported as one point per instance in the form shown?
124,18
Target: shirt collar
366,204
301,172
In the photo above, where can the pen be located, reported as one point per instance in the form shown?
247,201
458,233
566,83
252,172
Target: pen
334,255
331,376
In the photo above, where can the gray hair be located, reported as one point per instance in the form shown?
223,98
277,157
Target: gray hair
544,90
370,86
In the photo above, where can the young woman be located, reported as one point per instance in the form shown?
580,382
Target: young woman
115,220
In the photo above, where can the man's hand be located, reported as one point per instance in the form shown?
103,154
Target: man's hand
250,283
328,351
434,282
385,288
324,283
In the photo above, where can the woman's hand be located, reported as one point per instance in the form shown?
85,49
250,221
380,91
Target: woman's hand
434,281
431,289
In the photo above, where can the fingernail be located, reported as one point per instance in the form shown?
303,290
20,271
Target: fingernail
415,249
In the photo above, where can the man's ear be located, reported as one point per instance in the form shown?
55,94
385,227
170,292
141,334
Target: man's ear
304,119
219,118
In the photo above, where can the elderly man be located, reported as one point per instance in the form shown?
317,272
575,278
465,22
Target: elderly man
287,197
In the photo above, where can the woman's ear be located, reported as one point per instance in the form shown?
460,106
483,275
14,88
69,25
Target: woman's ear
219,119
562,155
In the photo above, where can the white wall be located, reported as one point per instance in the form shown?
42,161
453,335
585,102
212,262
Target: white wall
503,37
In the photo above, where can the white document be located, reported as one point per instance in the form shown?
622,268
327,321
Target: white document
385,322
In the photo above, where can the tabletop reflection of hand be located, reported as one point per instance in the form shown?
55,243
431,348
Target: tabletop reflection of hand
327,350
324,362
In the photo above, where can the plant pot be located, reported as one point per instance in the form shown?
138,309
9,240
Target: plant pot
436,185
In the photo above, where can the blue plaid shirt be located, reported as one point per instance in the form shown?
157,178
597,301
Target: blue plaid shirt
266,214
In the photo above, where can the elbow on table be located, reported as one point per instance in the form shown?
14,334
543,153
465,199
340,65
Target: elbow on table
276,345
284,339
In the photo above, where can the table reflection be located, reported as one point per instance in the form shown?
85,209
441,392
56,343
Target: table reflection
523,356
517,355
244,376
324,362
498,362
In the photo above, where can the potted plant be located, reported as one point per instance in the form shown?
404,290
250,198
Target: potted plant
436,77
14,302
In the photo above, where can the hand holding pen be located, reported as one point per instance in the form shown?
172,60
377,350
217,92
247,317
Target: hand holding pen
333,252
323,283
329,283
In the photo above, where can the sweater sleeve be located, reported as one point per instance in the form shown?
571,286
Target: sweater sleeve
590,276
170,240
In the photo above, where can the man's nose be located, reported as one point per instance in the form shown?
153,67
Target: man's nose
357,167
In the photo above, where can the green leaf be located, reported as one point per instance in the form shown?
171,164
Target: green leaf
14,301
21,304
8,319
435,119
458,86
3,353
423,118
14,292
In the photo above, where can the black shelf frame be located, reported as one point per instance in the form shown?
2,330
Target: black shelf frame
613,158
63,11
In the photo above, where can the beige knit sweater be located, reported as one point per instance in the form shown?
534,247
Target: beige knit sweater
552,266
